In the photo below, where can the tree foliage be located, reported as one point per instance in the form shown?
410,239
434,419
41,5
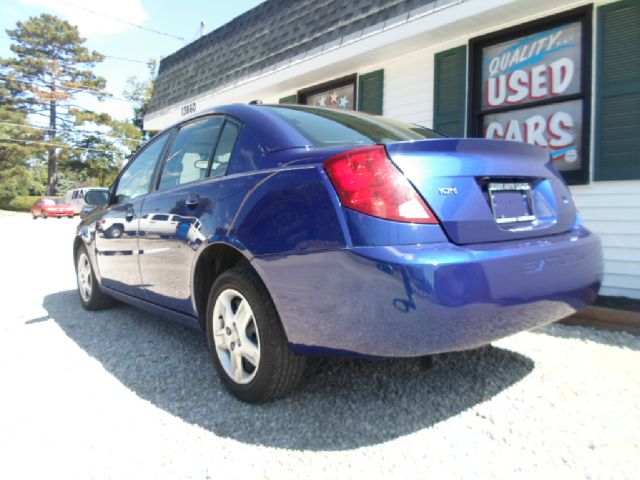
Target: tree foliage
139,92
98,163
17,149
50,69
49,76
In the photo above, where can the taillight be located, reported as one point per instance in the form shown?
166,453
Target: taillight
367,181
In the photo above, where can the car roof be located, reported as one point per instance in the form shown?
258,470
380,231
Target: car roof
272,131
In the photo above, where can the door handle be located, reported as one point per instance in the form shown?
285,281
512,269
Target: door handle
193,199
129,214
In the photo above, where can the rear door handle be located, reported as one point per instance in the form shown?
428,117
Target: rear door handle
129,214
193,199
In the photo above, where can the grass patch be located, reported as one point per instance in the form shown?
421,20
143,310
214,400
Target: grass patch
20,203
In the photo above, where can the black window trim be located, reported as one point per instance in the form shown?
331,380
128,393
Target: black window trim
582,14
176,128
233,147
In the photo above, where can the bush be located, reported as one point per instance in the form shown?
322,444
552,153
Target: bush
19,203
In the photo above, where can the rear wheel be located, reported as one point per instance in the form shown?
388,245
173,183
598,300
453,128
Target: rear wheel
91,295
114,231
246,339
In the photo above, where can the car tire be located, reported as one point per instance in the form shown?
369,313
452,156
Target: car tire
91,295
35,217
114,231
44,216
277,369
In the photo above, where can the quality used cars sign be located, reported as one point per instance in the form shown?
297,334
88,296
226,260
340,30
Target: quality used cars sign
525,70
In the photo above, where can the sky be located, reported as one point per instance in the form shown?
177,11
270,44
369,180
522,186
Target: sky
116,38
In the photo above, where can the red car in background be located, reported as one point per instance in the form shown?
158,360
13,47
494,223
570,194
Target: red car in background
52,207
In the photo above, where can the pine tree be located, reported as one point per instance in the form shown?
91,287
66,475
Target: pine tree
19,144
52,66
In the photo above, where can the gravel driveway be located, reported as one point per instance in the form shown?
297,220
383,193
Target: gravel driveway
122,394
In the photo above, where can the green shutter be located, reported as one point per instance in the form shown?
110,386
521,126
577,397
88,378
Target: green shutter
370,91
449,97
289,99
618,92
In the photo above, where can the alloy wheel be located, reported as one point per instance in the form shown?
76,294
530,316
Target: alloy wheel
85,277
236,336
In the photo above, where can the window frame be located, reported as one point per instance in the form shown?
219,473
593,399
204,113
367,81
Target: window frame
475,113
225,118
233,147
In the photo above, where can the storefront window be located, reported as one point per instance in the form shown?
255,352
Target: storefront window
339,94
531,86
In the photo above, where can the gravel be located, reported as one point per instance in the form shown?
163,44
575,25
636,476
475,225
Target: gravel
122,394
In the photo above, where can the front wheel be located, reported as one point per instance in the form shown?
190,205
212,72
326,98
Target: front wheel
91,295
246,339
114,231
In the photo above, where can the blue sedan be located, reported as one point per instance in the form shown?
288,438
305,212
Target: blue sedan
288,231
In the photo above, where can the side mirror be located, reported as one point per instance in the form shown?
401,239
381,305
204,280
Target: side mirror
96,198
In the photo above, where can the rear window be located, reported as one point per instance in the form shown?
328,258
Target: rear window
325,127
53,201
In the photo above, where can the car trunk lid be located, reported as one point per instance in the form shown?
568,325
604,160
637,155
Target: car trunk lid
487,190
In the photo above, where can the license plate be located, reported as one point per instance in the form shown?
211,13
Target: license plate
511,202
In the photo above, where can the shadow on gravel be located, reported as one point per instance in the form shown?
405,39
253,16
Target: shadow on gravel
591,334
341,404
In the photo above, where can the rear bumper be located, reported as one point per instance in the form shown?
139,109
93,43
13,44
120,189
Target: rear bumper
403,301
66,213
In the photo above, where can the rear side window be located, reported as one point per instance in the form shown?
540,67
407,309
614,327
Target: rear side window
188,159
160,217
324,127
224,149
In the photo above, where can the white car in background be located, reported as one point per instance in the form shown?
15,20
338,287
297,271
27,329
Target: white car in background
76,196
161,224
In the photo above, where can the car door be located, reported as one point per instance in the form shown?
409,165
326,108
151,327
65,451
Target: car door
186,194
116,242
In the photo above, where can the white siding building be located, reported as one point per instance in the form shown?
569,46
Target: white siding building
433,63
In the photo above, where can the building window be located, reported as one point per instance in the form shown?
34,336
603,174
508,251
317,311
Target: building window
340,94
532,84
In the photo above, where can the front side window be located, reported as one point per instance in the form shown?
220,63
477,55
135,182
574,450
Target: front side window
188,159
136,179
